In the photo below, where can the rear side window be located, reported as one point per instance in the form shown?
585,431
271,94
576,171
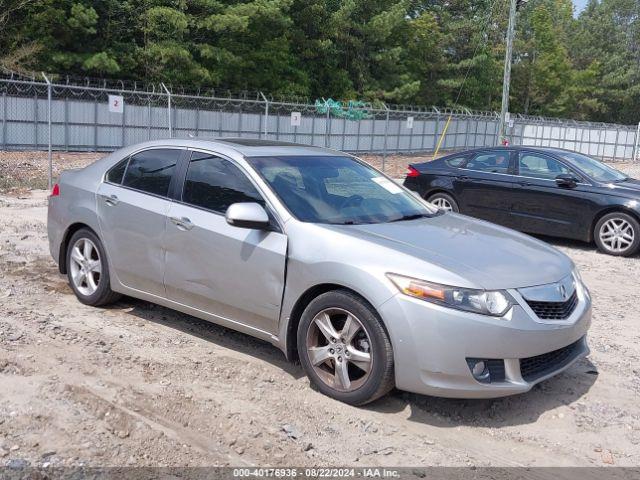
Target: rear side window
215,183
491,162
455,161
117,172
151,171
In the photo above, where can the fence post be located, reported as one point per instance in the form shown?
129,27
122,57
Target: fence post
4,120
123,134
435,132
168,108
637,144
49,155
66,124
386,131
266,115
326,126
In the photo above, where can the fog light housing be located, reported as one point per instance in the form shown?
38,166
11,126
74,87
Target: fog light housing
481,369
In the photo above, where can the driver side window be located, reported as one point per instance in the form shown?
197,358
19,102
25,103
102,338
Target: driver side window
537,166
215,183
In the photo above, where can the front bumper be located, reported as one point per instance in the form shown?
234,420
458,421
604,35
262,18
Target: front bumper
432,344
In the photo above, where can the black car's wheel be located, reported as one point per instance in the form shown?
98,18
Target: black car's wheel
444,201
618,234
344,349
87,269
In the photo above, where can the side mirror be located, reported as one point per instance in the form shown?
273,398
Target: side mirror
566,180
247,215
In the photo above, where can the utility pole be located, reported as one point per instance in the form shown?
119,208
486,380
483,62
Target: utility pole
507,68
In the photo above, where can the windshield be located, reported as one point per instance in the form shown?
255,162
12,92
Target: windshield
592,167
337,190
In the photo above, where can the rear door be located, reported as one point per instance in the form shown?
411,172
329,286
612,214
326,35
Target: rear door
541,205
236,274
132,206
484,187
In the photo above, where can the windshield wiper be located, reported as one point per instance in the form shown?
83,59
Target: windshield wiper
412,216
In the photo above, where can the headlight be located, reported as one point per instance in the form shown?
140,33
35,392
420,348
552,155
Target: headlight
579,282
495,303
577,277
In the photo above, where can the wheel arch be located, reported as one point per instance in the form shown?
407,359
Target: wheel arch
62,253
439,189
291,347
607,211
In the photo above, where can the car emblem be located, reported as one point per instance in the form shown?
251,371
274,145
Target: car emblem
563,291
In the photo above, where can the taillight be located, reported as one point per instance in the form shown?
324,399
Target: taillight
412,172
56,190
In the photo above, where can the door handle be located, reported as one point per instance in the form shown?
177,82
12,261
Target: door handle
183,223
462,178
525,183
111,200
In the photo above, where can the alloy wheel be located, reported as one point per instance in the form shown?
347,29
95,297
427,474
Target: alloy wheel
339,349
617,235
85,266
443,204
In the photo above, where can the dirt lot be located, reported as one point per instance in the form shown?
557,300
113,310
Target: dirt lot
137,384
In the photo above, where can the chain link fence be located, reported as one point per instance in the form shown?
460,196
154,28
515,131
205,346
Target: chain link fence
68,116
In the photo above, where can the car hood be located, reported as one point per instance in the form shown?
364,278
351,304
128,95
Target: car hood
629,187
488,255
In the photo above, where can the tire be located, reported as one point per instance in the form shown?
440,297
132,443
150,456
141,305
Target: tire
444,201
617,234
89,277
363,336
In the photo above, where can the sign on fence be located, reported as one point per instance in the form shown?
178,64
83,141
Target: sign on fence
296,119
116,104
409,123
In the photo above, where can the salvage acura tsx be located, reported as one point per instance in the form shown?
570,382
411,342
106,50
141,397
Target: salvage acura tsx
326,258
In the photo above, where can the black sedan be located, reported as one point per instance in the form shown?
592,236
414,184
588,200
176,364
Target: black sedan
546,191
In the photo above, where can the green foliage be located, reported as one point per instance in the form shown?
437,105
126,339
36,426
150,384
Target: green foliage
398,51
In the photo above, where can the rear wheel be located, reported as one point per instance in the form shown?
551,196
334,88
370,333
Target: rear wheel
618,234
344,349
444,201
87,269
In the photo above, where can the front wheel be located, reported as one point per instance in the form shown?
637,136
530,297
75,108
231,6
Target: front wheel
617,234
344,348
87,269
444,201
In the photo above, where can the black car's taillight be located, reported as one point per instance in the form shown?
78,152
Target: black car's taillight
412,172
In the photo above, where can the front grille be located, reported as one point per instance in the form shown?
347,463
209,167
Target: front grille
554,310
533,368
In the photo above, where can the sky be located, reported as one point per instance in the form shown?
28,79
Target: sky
579,4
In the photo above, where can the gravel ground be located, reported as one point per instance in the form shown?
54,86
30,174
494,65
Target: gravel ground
138,384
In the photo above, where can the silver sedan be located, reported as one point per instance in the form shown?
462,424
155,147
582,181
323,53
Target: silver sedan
326,258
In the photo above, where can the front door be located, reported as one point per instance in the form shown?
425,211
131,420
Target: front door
542,206
236,274
132,207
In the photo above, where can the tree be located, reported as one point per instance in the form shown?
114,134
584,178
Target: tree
424,52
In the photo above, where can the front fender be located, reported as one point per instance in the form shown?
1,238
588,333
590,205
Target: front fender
303,278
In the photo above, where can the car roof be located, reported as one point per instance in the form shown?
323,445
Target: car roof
556,150
248,147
